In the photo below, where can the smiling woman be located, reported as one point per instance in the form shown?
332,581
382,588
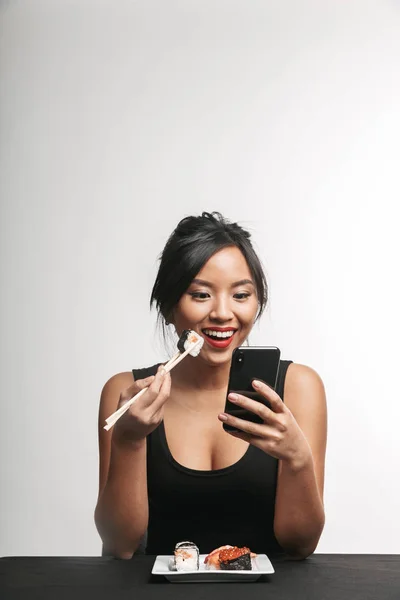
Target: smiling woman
218,306
169,470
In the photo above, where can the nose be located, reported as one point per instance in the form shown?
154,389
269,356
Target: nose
221,310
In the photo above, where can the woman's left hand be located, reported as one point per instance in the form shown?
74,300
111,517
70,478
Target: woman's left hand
279,435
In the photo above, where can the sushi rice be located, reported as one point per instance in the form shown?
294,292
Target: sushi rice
186,556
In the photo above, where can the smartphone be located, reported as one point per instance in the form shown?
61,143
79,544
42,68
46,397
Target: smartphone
249,363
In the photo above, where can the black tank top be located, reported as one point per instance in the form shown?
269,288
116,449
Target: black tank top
233,506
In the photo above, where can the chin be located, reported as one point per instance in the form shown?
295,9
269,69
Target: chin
214,359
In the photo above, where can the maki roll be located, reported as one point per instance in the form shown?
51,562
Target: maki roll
186,557
189,337
235,559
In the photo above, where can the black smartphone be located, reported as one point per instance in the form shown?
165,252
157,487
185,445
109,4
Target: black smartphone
249,363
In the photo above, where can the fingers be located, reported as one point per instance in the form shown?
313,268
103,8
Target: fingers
163,394
142,383
133,389
274,399
258,442
158,391
258,408
248,427
153,383
158,380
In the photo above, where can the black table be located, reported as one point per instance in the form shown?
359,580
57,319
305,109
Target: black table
320,577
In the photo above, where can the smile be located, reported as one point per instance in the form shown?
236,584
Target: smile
215,333
218,338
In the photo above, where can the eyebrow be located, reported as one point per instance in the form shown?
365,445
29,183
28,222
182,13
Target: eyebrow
210,285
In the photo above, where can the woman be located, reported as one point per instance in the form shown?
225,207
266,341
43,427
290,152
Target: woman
168,469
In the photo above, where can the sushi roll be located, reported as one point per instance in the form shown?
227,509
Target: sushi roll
189,337
186,557
235,559
212,560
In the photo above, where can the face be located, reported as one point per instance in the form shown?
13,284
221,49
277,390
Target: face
220,304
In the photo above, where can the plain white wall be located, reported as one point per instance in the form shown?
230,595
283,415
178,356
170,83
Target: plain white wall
118,119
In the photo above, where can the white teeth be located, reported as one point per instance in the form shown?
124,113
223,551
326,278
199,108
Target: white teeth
219,334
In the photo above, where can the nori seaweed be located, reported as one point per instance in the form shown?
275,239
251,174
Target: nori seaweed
182,340
241,563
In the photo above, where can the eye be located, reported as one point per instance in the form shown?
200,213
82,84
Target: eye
242,295
200,295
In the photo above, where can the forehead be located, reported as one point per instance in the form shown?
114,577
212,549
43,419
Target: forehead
226,264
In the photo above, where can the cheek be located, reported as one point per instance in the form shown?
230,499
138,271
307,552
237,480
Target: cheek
189,311
249,313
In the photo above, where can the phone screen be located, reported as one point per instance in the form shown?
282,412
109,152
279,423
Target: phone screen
248,363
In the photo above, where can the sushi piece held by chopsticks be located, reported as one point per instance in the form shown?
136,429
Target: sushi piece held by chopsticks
189,343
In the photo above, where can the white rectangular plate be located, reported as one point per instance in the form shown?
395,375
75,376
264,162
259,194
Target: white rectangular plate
163,565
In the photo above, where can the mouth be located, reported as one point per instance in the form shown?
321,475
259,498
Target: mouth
219,337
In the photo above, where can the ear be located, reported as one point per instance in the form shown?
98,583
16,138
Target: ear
169,319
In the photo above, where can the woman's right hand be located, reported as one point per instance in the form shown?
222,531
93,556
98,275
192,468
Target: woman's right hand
147,412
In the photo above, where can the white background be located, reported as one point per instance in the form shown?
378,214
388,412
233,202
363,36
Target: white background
120,118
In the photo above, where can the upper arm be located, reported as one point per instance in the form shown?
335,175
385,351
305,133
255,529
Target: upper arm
305,397
108,404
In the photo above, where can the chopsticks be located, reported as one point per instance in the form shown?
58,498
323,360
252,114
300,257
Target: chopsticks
112,419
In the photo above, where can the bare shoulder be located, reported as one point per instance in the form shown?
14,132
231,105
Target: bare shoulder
304,389
118,381
112,390
300,377
109,400
305,398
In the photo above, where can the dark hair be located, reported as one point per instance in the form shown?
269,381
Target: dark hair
189,247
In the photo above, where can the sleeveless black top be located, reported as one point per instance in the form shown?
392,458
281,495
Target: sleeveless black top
234,505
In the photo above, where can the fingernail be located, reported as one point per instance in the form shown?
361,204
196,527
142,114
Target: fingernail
233,397
161,370
256,383
223,417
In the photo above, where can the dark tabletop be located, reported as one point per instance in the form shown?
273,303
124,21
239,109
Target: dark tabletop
320,577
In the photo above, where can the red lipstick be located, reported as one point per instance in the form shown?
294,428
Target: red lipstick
218,342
